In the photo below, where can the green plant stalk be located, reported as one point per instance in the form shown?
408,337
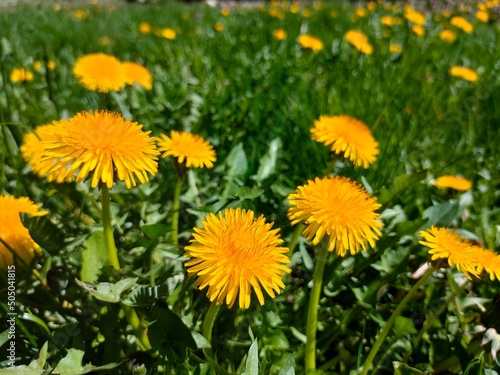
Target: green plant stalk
381,337
130,313
108,229
175,209
208,322
312,311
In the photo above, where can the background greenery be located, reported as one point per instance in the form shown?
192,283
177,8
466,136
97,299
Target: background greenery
255,99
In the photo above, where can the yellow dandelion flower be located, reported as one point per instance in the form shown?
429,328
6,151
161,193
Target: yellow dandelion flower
347,135
225,12
280,34
187,148
390,20
309,42
359,41
418,30
488,261
37,65
453,182
306,13
101,145
446,244
361,12
218,27
464,73
33,151
295,8
372,5
104,41
462,24
168,33
51,65
277,13
447,36
339,208
100,72
482,16
144,28
395,48
416,18
21,75
80,14
234,253
14,233
136,73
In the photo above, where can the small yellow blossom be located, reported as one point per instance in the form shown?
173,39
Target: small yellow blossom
21,75
144,28
218,27
280,34
447,36
462,24
464,73
225,12
483,16
418,30
168,33
395,48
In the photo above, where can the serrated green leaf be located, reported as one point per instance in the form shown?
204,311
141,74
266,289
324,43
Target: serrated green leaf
44,232
288,368
71,364
403,326
252,362
245,192
237,161
42,355
267,164
94,257
442,214
106,291
146,296
21,370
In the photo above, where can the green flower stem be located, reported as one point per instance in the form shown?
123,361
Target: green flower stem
176,207
208,322
108,229
295,238
312,312
139,329
376,346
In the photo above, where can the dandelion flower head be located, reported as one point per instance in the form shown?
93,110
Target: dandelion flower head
359,41
488,261
453,182
233,253
446,244
144,28
102,145
188,148
309,42
462,24
14,233
339,208
390,20
482,16
136,73
347,135
20,75
415,17
464,73
418,30
447,36
168,33
32,151
100,72
279,34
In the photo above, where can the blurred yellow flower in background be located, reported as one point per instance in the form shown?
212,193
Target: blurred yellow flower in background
453,182
418,30
13,234
187,148
359,41
225,12
347,135
464,73
277,13
167,33
233,253
280,34
144,28
390,20
395,48
483,16
462,24
21,75
415,17
218,27
339,208
447,36
136,73
100,72
309,42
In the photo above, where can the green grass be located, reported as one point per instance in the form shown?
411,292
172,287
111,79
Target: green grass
244,91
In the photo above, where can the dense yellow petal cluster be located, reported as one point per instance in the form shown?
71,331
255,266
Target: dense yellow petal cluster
462,24
188,148
233,253
464,73
102,145
347,135
338,208
309,42
136,73
359,41
453,182
447,36
13,233
21,75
